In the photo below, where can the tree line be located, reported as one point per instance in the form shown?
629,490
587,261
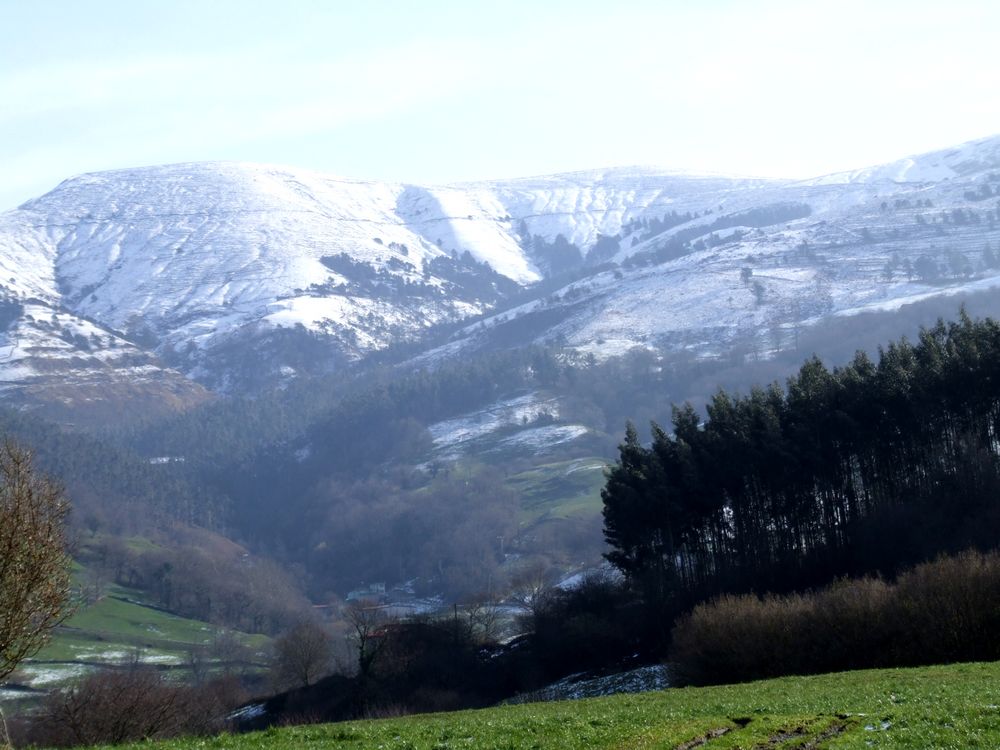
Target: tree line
868,467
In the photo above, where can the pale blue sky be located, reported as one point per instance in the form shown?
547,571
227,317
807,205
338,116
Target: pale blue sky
428,91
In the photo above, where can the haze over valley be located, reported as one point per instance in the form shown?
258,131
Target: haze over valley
395,359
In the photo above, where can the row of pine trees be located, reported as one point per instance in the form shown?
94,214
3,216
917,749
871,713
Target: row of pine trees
864,468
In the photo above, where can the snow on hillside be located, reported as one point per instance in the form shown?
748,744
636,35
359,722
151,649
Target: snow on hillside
194,257
526,422
27,257
51,358
468,219
584,205
700,302
865,245
235,273
937,166
217,240
583,685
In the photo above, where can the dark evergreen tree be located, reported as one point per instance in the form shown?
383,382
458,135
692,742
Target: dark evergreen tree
869,467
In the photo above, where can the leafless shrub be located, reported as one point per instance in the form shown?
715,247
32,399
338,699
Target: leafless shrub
739,636
942,611
952,608
856,626
301,656
484,619
531,586
112,707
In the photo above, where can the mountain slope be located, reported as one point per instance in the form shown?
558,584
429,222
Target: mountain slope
239,276
757,270
197,262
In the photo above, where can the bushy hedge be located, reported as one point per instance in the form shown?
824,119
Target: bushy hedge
942,611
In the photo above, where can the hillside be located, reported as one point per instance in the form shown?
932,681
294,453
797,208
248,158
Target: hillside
949,706
323,370
116,626
200,261
155,284
769,261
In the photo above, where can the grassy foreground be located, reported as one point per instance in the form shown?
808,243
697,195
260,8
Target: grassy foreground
955,706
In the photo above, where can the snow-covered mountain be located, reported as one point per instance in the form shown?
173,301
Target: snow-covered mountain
236,276
771,257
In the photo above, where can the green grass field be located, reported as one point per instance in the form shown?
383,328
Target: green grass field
118,621
118,628
956,706
564,489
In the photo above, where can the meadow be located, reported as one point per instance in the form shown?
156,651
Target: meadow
952,706
120,628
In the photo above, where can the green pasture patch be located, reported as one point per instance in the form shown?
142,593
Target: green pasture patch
953,706
564,489
114,630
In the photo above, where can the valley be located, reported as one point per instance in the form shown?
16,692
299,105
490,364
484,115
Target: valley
294,387
278,332
546,375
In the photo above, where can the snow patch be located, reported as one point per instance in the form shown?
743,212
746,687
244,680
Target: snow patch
541,437
578,686
506,413
248,712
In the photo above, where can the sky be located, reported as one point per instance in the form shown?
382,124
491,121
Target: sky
437,92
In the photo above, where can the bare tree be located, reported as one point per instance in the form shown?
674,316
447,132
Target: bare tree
131,704
532,586
229,652
484,618
368,623
34,564
302,655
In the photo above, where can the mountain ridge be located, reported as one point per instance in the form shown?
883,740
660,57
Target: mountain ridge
238,275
